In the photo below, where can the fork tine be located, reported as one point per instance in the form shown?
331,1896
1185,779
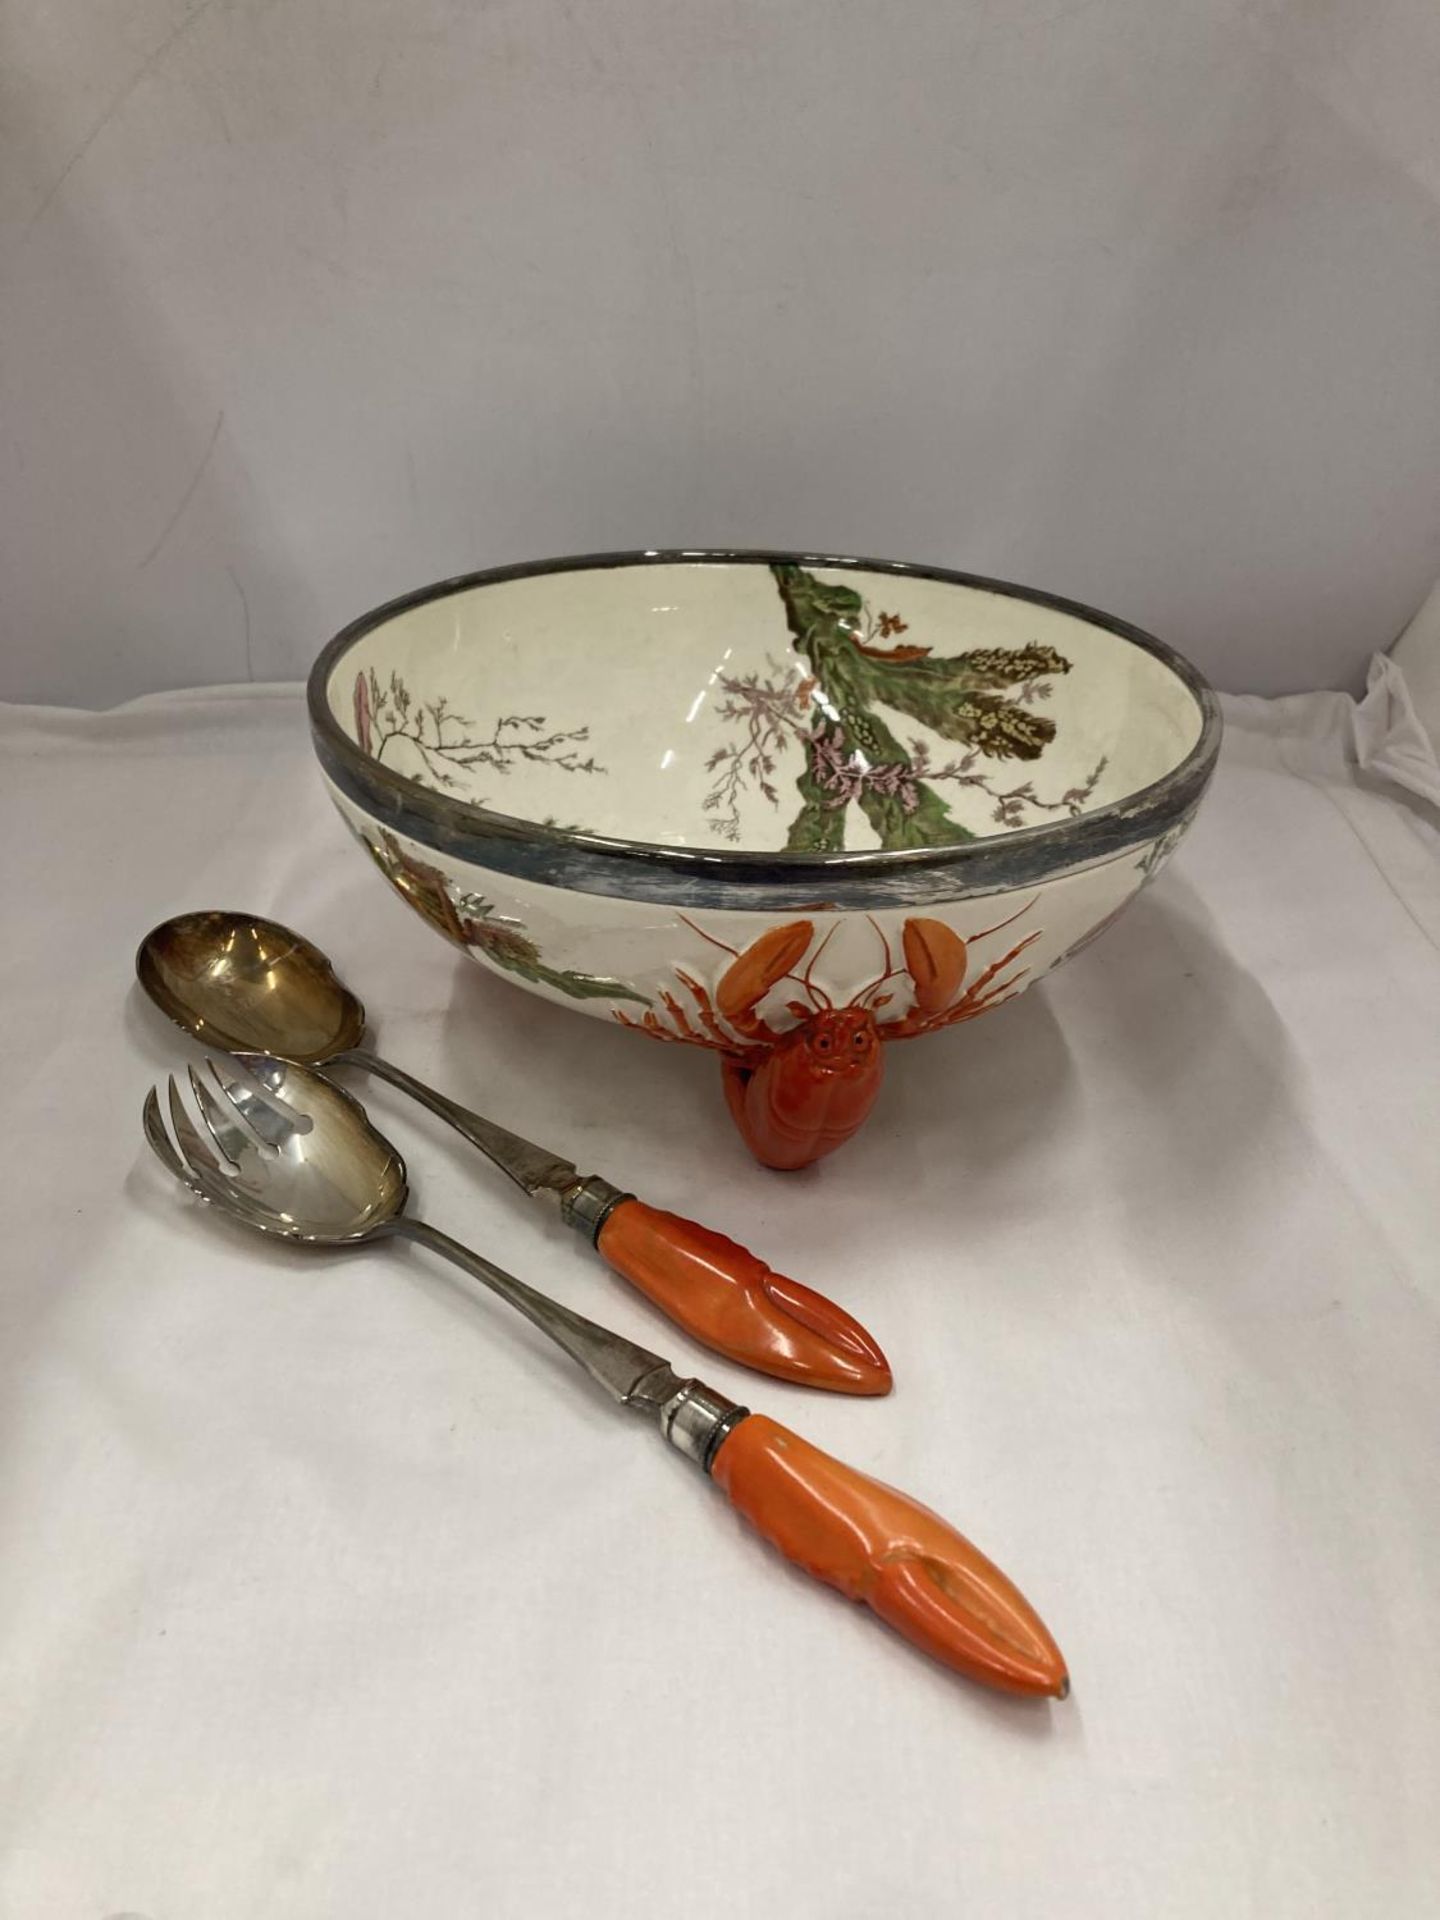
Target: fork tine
264,1112
203,1176
199,1183
227,1129
239,1185
192,1148
160,1140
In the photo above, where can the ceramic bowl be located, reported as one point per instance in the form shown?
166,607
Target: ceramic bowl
784,807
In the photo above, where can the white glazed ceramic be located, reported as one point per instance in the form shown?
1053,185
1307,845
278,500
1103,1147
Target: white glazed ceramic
611,777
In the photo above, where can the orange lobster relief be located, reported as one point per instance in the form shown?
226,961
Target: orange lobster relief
798,1092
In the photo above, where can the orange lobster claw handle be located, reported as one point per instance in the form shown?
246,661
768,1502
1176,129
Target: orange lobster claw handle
731,1301
902,1561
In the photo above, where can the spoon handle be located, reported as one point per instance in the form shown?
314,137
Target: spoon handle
727,1298
529,1166
722,1295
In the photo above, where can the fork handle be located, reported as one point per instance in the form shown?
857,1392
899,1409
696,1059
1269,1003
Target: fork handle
882,1548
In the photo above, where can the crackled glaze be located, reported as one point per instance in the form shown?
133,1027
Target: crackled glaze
774,707
928,792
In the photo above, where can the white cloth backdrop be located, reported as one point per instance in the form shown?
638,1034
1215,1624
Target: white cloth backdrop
328,1594
304,305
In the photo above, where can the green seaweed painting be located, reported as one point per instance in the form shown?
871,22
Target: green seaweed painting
851,755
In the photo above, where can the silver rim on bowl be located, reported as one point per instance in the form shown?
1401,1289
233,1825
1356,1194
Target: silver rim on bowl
696,877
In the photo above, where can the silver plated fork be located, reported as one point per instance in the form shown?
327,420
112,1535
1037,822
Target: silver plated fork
282,1150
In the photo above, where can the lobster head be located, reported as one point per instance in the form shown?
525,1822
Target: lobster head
839,1042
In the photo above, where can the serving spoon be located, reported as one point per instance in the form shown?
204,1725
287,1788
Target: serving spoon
246,984
287,1153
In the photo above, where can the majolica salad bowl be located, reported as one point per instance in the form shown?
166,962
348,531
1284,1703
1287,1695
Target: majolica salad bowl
785,807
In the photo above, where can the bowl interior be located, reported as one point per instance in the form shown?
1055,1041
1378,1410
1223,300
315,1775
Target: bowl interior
758,706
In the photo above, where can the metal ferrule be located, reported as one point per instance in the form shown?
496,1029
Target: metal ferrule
587,1206
695,1419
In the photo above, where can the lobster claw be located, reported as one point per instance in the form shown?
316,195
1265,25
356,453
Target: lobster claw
964,1612
905,1563
731,1301
808,1312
